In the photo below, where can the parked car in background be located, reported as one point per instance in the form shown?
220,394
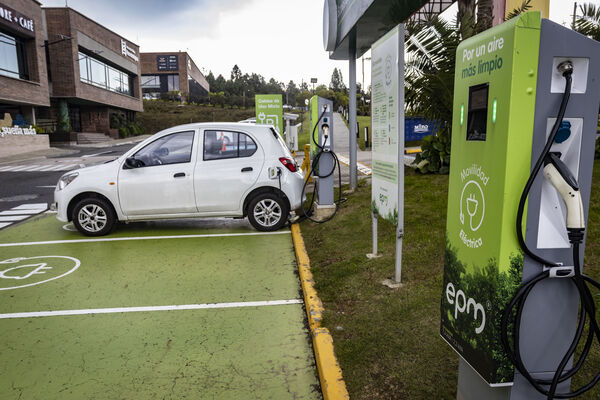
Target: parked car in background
194,170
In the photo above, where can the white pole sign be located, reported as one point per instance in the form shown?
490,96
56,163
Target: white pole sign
387,122
384,123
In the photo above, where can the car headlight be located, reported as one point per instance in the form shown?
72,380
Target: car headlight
66,179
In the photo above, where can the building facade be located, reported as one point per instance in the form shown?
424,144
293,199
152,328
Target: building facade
94,73
173,76
23,74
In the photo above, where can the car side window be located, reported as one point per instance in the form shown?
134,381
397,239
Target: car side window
171,149
219,145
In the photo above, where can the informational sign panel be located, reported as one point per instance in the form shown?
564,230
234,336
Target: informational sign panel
269,110
166,62
385,120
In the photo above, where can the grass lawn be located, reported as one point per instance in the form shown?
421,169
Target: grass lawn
387,341
159,115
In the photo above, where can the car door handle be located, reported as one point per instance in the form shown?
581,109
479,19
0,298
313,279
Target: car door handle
179,175
247,169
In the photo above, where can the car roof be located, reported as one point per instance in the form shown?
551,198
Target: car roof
219,125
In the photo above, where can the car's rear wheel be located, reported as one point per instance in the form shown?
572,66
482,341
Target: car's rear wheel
267,212
93,217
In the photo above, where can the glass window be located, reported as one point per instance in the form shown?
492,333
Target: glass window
126,85
150,81
247,146
83,69
170,149
98,72
13,60
173,83
223,144
114,80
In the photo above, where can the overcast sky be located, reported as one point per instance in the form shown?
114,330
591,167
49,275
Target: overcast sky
275,38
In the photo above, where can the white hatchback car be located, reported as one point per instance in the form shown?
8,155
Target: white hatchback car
195,170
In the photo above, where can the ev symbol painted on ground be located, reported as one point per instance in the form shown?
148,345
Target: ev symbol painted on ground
22,272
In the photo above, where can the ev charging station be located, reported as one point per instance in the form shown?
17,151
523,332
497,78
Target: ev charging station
323,159
514,84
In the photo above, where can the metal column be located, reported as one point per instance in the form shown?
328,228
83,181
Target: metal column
352,110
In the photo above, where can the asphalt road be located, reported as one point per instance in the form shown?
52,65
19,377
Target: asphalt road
33,180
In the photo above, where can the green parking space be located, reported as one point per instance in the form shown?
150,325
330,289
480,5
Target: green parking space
47,227
176,315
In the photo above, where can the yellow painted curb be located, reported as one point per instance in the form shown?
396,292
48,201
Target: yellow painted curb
330,374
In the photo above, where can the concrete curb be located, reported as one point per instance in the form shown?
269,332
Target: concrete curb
330,374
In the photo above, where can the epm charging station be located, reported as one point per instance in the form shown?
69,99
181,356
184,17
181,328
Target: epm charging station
526,98
324,161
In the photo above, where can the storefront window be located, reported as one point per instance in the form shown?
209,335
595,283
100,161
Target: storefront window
83,69
150,81
99,74
114,80
13,60
173,83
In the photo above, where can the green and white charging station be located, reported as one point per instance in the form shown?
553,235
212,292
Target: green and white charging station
507,94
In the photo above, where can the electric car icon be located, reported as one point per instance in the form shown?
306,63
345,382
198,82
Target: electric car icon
188,171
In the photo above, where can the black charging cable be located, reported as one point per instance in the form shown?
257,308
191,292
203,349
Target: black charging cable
307,211
587,309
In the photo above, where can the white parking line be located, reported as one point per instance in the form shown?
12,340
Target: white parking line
12,218
209,235
150,308
32,206
19,212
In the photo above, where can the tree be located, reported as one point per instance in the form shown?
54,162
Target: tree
236,73
291,91
337,82
589,23
431,58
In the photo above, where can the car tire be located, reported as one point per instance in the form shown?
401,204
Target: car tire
267,212
94,217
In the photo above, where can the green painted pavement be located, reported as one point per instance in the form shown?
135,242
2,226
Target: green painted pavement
245,353
256,353
157,272
47,227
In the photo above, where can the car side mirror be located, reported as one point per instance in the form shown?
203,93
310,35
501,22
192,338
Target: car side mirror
132,162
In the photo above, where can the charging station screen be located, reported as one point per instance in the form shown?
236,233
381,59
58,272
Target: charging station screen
477,112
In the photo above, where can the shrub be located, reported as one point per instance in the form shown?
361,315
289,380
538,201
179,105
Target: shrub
123,132
435,157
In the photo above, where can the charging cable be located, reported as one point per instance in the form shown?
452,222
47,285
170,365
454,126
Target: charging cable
307,212
565,183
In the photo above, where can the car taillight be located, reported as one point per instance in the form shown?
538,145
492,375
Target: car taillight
288,163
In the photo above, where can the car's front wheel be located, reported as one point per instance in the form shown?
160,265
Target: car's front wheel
93,217
267,212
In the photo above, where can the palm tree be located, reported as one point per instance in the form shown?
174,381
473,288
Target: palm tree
589,23
430,62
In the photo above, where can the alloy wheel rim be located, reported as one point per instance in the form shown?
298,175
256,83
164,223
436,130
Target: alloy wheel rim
92,218
267,212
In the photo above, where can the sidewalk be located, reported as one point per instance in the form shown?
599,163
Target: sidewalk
58,152
341,141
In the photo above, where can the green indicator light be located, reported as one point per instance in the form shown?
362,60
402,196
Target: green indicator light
462,112
494,111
